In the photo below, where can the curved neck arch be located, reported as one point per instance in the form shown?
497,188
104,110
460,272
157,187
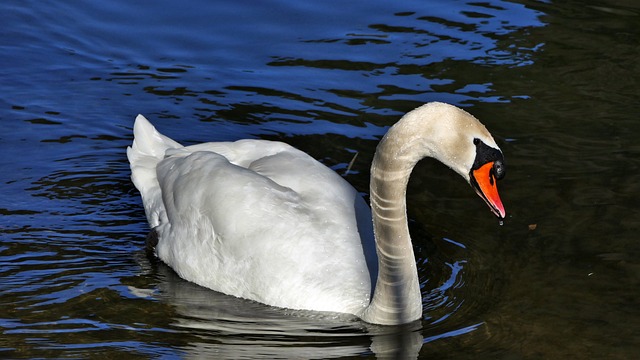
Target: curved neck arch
396,298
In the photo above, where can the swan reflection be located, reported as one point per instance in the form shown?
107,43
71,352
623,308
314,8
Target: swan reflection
234,328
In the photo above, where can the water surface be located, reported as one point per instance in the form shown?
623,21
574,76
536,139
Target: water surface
556,83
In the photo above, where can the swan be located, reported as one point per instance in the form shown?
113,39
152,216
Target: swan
264,221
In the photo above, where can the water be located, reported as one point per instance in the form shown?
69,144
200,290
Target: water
556,83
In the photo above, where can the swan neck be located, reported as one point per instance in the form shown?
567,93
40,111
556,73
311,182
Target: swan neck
396,298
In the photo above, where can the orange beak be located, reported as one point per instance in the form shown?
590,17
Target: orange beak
485,184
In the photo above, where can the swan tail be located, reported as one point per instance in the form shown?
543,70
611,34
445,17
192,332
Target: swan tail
148,141
148,149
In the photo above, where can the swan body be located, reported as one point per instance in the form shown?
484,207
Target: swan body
264,221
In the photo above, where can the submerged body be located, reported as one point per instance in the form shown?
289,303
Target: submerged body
264,221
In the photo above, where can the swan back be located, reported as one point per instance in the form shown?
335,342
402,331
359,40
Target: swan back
256,219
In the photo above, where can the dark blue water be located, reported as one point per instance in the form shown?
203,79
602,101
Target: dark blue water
556,83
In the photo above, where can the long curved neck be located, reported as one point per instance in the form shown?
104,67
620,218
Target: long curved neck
396,298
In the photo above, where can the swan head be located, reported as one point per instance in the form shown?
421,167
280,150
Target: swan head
457,139
488,167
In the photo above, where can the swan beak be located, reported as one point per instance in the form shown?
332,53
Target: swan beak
484,182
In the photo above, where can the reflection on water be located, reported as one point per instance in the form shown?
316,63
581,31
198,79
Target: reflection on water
555,82
236,328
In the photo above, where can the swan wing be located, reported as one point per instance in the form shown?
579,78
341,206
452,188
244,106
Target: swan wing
259,220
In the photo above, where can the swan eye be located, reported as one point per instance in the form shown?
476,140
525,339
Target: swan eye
499,169
486,154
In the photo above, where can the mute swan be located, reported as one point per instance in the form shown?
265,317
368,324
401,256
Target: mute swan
264,221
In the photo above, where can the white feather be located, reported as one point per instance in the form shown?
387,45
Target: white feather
255,219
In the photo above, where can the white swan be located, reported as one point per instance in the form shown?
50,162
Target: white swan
264,221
